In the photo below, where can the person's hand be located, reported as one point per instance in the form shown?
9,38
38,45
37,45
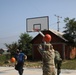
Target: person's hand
25,57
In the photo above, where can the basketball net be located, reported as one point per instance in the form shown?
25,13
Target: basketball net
38,30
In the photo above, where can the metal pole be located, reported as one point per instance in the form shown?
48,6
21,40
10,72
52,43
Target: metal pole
58,21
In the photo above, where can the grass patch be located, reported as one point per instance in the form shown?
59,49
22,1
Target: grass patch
34,64
69,64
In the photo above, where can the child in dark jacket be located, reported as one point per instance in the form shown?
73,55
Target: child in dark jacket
20,58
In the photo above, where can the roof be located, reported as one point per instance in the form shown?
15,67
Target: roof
59,34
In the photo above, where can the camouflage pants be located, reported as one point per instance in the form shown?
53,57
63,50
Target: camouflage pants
49,70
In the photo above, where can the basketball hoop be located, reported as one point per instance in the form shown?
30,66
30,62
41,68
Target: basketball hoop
37,24
37,30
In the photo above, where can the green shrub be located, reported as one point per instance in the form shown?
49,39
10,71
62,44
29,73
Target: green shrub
4,57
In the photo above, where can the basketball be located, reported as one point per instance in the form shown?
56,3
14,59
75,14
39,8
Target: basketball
47,38
13,60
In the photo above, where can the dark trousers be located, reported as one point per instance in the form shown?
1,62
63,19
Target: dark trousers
19,67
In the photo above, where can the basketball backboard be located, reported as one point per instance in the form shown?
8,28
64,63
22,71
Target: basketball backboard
37,24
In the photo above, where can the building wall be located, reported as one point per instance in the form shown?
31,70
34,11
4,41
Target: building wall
59,48
37,55
67,52
57,43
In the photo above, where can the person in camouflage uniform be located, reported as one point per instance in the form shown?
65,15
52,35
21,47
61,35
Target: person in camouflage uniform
58,62
48,55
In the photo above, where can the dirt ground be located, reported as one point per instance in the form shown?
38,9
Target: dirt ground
31,71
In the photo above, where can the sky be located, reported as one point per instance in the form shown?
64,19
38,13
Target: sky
13,15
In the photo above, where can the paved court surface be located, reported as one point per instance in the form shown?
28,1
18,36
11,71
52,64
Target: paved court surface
31,71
